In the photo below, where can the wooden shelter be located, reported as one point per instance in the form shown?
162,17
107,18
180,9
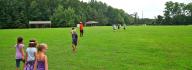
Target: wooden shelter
39,24
91,23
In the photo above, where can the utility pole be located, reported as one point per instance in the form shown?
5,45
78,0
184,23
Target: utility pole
142,18
135,15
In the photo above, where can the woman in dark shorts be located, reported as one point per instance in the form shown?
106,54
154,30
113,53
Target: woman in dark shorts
74,39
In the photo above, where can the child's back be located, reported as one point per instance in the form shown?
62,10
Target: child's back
18,51
41,62
31,53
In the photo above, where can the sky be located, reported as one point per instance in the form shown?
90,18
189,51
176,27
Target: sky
150,8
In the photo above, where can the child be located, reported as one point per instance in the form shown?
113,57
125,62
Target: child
124,26
74,39
81,29
114,27
42,63
19,52
31,53
118,26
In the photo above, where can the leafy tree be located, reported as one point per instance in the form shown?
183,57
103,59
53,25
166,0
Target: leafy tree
159,19
188,10
176,13
17,13
69,15
58,17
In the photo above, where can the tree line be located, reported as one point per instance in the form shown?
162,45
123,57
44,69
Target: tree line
18,13
176,14
65,13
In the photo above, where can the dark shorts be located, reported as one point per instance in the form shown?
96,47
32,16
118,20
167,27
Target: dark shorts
74,42
18,62
81,31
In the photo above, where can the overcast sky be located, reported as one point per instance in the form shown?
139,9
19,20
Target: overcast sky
150,8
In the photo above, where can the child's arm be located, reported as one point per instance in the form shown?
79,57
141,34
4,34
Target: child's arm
35,64
46,63
25,60
22,52
78,39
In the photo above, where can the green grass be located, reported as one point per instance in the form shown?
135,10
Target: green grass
137,48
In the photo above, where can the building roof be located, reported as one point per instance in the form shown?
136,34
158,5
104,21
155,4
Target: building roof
39,22
91,22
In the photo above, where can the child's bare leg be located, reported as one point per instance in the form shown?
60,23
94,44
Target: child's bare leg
73,46
23,66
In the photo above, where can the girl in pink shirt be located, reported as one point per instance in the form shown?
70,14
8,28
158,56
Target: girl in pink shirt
19,52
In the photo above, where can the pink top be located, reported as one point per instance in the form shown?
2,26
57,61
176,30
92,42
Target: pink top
18,52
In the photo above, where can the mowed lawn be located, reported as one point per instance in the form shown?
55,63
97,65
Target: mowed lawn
137,48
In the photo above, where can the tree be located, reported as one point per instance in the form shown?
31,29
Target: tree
188,10
64,17
69,15
175,13
168,11
58,17
17,13
159,19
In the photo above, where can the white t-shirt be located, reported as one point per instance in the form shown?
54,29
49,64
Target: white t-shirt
31,53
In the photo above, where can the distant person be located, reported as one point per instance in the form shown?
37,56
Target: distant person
81,29
124,26
41,62
74,39
114,27
19,52
31,54
118,26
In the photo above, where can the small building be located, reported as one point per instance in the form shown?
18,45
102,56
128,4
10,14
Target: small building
39,24
91,23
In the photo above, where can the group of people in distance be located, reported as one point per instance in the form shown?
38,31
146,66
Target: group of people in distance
34,58
118,26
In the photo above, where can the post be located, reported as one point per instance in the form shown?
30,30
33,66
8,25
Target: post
29,26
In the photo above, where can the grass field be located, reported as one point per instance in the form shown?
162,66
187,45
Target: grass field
137,48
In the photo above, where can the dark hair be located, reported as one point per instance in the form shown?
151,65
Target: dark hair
32,40
19,39
73,28
32,43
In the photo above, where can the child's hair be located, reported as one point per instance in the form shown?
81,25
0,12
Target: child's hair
73,28
19,39
32,43
41,46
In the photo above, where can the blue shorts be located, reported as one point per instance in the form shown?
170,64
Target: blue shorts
18,62
74,42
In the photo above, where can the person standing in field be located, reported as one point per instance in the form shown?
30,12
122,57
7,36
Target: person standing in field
124,26
19,52
114,27
119,26
41,62
81,29
31,54
74,39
